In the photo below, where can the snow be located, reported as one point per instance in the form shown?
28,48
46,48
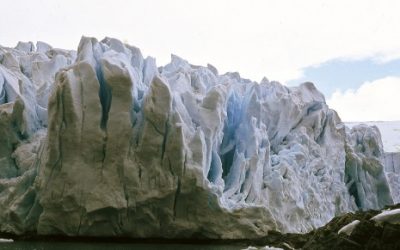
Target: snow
389,216
263,248
6,240
348,229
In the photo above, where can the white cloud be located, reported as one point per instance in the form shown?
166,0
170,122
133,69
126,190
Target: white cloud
373,101
275,38
387,56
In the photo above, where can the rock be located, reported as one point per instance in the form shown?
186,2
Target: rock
101,142
366,234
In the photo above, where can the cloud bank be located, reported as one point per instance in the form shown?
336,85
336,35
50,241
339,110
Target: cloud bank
372,101
275,38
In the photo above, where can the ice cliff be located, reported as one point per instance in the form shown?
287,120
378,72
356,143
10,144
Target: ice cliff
392,169
102,142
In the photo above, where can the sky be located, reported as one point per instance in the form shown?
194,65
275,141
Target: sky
349,49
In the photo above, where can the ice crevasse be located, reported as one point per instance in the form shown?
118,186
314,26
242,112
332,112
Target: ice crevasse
102,142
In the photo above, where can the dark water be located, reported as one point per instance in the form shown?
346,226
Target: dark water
103,246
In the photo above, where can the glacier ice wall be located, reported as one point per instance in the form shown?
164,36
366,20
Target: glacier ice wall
365,175
392,169
102,142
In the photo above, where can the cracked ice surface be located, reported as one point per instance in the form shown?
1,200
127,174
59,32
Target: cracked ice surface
101,142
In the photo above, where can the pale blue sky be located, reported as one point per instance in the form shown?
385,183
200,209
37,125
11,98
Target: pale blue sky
346,74
352,46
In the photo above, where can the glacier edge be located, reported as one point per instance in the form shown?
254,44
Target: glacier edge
101,142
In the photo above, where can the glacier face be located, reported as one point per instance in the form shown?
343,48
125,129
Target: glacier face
392,169
102,142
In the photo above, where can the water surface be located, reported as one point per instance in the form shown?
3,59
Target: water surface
39,245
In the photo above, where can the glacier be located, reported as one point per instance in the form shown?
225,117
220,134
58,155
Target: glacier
390,139
102,142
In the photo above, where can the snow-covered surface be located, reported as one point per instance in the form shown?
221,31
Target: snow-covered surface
263,248
389,216
348,229
6,240
390,132
102,142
